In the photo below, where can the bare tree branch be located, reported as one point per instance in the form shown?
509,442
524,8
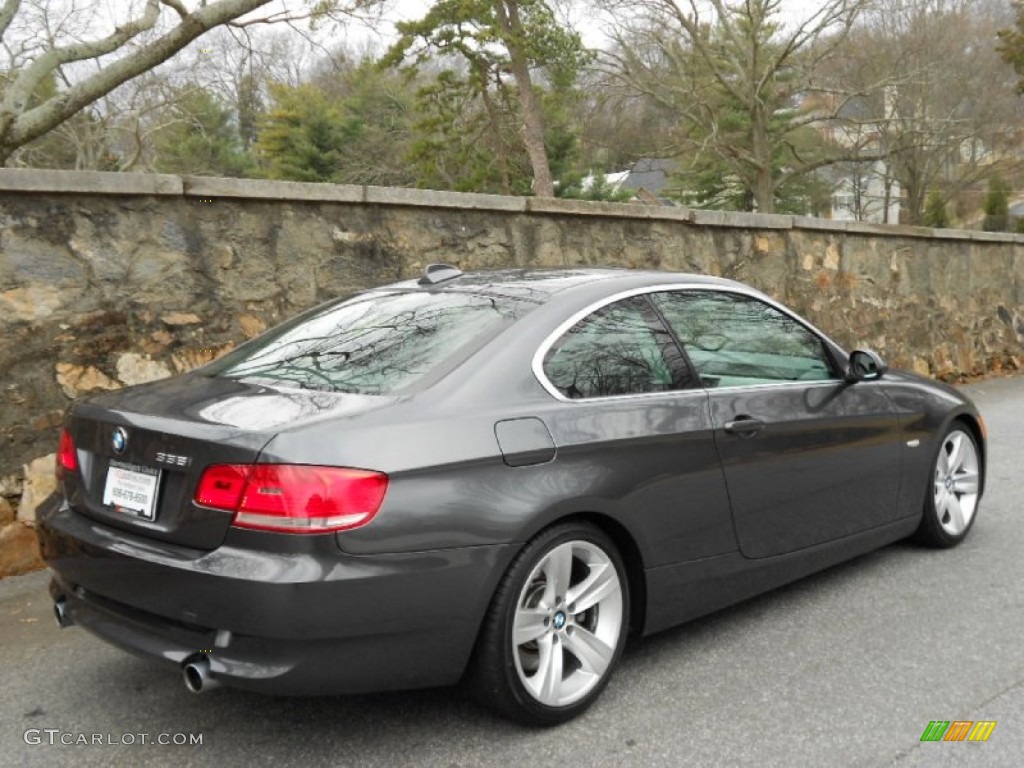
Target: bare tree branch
19,125
7,14
143,42
19,92
177,7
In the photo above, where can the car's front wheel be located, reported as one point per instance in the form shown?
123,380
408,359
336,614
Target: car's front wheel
556,627
954,490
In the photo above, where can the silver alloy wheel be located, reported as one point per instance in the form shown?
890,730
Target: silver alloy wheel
567,623
957,482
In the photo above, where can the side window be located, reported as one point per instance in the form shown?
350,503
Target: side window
734,340
621,349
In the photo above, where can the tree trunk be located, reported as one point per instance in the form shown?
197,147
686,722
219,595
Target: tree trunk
494,122
887,200
764,181
914,195
532,127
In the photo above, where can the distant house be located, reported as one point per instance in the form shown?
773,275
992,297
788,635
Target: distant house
650,174
646,179
861,190
858,189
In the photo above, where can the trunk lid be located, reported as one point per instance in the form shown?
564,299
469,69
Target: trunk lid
141,451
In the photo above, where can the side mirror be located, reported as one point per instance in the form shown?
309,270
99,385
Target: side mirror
865,365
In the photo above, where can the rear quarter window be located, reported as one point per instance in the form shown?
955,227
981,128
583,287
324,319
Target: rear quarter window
620,349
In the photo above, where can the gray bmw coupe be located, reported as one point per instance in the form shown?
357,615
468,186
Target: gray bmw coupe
491,477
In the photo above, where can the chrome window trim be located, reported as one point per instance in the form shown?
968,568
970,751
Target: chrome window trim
550,340
618,398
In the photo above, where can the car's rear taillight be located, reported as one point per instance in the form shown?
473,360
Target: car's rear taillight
67,456
221,486
293,498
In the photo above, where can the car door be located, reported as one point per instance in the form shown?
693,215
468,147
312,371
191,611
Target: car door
808,458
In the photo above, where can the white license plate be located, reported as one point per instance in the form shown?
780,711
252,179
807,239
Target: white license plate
131,489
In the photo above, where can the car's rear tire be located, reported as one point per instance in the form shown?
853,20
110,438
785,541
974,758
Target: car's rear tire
556,627
954,490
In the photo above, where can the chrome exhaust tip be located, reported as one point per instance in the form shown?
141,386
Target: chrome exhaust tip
62,614
196,674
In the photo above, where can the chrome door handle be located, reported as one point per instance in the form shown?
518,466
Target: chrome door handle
744,426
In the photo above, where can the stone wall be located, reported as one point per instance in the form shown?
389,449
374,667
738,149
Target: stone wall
108,280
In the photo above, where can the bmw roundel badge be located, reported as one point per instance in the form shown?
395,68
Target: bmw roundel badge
119,440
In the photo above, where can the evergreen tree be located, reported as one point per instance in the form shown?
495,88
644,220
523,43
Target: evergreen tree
935,214
201,138
1011,43
350,125
997,206
304,135
503,57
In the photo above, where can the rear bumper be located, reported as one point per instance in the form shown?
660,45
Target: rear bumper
313,620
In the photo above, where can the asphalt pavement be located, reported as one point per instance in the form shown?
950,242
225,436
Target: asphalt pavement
845,668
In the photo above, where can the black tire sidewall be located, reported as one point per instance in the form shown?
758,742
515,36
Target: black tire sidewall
529,709
931,532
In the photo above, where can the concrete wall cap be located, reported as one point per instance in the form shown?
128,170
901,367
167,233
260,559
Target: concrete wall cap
952,234
994,237
88,182
890,230
741,220
565,207
264,189
429,198
821,225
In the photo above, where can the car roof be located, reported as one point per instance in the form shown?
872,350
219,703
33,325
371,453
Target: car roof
541,284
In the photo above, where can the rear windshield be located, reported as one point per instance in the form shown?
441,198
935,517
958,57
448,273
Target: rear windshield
372,344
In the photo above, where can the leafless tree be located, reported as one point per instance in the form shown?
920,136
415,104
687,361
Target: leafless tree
947,116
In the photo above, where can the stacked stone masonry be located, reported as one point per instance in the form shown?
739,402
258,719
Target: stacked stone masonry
108,280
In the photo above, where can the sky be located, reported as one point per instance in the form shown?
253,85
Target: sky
580,13
585,22
582,17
